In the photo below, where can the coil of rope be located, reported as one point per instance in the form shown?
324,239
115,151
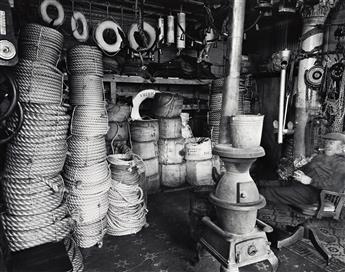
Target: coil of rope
88,235
39,82
85,60
127,209
91,208
123,168
40,43
86,90
89,121
74,254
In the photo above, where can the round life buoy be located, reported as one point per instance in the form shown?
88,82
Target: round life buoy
98,34
138,99
151,34
44,14
79,17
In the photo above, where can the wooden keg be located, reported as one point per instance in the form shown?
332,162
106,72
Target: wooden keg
170,128
171,150
199,172
198,149
144,130
146,150
118,131
173,175
167,105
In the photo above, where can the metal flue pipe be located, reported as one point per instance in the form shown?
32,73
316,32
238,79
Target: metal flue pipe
232,80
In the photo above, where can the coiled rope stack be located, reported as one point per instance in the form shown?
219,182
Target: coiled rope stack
127,210
32,186
86,170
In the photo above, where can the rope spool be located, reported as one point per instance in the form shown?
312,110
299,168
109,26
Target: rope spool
85,60
149,31
123,168
173,175
170,128
40,43
146,150
144,130
171,151
27,239
85,151
198,149
85,177
99,36
91,234
89,121
44,13
127,210
79,18
91,208
86,90
39,82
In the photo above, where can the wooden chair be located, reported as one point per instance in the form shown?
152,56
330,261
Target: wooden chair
331,204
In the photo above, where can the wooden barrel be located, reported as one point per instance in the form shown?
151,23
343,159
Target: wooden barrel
173,175
151,167
198,149
199,172
144,130
118,131
167,105
118,112
146,150
170,128
171,150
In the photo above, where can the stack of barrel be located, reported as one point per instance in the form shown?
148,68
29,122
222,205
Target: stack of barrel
86,169
118,132
32,186
168,107
144,137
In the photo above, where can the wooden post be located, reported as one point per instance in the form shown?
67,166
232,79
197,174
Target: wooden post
232,81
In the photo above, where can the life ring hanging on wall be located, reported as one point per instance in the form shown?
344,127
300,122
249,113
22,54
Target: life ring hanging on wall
150,31
77,18
44,13
98,36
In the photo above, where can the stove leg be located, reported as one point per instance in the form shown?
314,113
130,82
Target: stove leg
229,269
273,260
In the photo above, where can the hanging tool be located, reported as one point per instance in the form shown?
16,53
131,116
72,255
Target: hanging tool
180,37
171,29
285,57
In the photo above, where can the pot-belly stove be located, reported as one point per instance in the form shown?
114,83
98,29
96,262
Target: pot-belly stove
238,238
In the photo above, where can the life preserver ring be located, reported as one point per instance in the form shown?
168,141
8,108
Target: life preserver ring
151,34
79,17
98,35
138,99
44,14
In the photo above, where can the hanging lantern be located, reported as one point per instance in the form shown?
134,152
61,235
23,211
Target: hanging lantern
265,6
287,6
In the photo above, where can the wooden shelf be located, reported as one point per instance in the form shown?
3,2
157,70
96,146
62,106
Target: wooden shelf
158,80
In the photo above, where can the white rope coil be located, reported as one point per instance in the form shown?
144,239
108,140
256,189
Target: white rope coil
31,222
39,82
86,90
88,176
85,151
89,121
85,60
88,235
46,109
74,254
127,209
123,168
40,43
27,239
91,208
